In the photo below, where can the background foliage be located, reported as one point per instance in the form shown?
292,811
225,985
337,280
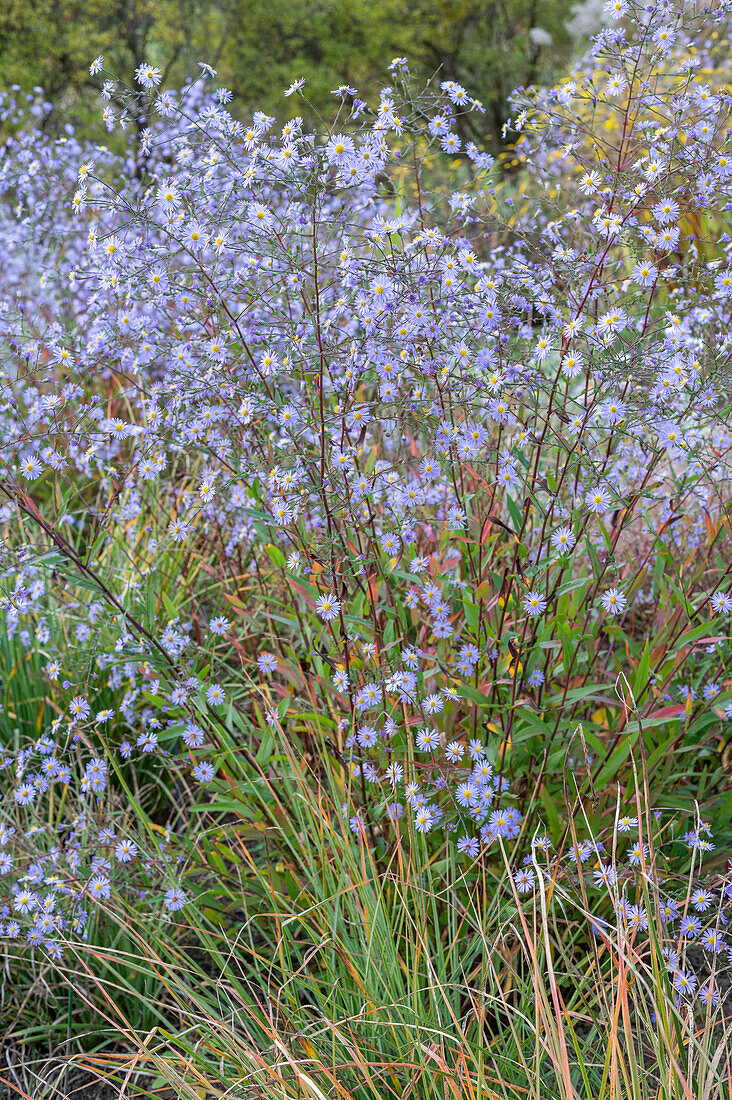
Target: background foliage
260,46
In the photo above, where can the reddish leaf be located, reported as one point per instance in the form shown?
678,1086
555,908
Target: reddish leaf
667,712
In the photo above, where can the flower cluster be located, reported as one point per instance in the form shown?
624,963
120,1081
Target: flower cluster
330,442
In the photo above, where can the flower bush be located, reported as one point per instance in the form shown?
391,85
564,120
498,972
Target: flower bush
314,467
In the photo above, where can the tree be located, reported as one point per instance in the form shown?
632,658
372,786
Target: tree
260,46
489,46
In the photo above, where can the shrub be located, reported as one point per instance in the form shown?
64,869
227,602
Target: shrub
315,469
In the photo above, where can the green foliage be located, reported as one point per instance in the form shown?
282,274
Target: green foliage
51,43
315,967
260,46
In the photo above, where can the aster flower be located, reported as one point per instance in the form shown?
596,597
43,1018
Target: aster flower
637,853
669,910
712,941
590,182
79,707
469,846
339,149
261,218
433,704
709,994
99,888
215,695
267,662
454,752
534,603
617,84
482,772
636,916
571,367
466,794
563,538
367,737
148,75
476,748
604,875
499,822
424,819
524,880
147,741
204,772
613,601
428,740
328,607
394,773
389,544
178,530
598,500
701,900
25,901
193,736
411,793
168,196
174,899
340,680
721,603
645,274
30,467
665,211
125,851
219,625
690,926
25,794
685,982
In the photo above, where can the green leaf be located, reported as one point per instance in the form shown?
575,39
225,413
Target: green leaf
91,554
514,513
568,638
475,695
575,695
277,557
528,725
643,670
471,614
550,806
617,758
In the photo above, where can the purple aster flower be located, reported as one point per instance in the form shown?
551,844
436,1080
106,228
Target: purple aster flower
174,899
534,603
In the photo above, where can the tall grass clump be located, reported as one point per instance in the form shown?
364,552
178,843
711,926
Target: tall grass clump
366,581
